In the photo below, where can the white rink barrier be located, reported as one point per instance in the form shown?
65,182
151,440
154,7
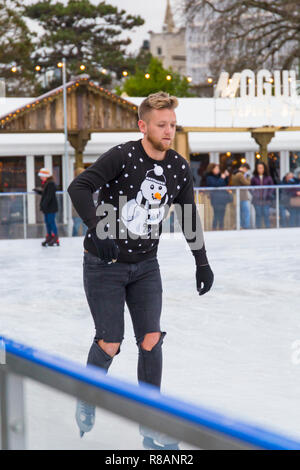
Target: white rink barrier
19,211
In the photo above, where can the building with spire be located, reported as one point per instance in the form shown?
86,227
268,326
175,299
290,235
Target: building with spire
169,45
169,25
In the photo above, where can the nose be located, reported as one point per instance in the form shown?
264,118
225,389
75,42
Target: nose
157,196
168,131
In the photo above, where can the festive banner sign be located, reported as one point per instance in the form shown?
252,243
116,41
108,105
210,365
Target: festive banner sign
247,84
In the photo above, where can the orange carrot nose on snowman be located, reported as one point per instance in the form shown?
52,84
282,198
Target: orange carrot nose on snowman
157,196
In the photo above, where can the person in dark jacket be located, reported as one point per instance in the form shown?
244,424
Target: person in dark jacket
219,199
262,198
120,262
11,214
295,210
284,198
48,206
289,196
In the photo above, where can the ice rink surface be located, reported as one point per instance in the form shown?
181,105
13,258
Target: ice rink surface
235,350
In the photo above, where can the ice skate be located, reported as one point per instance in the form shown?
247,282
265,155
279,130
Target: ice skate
85,416
54,241
47,240
155,440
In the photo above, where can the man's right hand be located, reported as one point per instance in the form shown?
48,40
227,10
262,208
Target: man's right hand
107,249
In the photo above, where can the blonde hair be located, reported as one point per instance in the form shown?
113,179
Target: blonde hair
159,100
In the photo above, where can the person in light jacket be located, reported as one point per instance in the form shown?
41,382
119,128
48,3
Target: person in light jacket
242,178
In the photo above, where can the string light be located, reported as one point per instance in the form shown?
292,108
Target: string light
82,67
14,69
210,80
124,73
37,68
147,75
169,77
60,65
189,79
27,107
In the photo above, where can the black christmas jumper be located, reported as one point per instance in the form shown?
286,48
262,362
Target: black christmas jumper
140,191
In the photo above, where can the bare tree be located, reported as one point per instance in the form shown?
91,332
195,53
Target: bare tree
250,33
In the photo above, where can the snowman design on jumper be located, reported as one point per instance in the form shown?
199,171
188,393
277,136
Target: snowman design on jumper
147,209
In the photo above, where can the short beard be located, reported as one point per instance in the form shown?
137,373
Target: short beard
158,145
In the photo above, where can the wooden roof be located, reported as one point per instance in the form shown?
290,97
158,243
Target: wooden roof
89,106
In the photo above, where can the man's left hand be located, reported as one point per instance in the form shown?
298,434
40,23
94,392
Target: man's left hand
204,279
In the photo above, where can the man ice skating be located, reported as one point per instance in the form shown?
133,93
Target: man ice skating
49,206
120,247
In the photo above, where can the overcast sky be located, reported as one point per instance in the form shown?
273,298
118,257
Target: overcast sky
152,11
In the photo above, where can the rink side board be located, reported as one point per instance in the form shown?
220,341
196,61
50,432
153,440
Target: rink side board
143,404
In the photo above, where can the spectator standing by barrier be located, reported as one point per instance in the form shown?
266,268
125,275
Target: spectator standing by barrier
219,199
294,204
262,198
242,178
77,221
284,198
48,206
11,211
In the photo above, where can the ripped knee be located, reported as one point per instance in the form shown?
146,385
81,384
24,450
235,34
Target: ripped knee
110,348
151,339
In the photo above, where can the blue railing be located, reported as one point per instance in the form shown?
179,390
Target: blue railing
30,362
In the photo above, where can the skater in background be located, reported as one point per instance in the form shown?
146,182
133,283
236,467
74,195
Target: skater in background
219,199
48,206
77,221
262,198
122,268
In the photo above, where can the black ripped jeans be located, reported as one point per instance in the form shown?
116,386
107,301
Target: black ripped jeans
107,288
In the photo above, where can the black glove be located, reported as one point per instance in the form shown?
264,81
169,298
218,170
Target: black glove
205,276
107,249
37,190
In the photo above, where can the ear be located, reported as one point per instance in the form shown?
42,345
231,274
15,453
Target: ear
142,126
